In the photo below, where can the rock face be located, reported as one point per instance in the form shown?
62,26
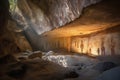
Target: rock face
7,44
35,55
44,15
35,17
4,8
102,43
10,41
96,32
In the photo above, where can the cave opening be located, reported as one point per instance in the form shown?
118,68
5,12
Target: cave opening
59,40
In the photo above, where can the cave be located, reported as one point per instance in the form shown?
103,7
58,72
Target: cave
59,40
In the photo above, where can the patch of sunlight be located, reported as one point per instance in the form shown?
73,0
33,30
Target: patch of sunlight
13,4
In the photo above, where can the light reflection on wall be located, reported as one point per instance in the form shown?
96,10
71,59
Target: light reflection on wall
96,45
102,44
94,51
85,46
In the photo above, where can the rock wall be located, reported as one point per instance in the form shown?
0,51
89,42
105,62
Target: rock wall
47,44
101,43
45,15
35,17
4,14
17,36
9,39
5,40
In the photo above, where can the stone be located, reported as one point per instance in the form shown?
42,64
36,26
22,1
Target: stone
103,66
22,58
17,70
71,74
35,55
7,59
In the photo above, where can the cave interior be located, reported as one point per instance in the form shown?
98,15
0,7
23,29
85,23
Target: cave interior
59,40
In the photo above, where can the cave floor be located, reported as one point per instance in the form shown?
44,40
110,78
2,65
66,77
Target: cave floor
54,66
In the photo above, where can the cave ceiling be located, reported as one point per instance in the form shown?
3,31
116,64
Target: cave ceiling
64,18
94,18
45,15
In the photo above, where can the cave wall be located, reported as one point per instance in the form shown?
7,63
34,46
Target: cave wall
38,16
17,35
10,41
100,43
45,15
107,44
5,38
47,43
